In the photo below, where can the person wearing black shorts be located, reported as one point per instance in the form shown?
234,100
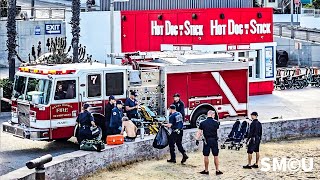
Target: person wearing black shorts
254,139
208,128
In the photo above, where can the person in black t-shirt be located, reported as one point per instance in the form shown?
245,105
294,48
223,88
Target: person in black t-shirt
254,138
208,128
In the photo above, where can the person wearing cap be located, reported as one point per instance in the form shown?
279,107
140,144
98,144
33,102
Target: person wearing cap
175,138
254,139
116,118
209,130
108,111
132,106
179,104
84,121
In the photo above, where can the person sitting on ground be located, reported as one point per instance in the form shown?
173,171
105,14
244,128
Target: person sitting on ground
129,128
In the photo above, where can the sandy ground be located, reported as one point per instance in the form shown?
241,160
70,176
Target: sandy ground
231,164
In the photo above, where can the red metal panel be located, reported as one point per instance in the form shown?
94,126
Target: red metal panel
183,17
241,17
171,27
65,132
203,84
237,83
260,88
177,83
142,31
154,40
128,35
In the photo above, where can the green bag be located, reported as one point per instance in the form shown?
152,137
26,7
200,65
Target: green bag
92,145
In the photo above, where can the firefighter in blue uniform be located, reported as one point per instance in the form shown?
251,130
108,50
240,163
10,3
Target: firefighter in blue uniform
85,120
132,106
175,138
179,104
116,118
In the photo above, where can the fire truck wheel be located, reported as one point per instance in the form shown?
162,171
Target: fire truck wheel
199,115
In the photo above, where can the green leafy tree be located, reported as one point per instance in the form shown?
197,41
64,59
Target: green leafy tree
316,4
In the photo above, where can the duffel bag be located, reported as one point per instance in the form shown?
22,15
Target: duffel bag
92,145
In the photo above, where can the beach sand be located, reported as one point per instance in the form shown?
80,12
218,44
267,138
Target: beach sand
231,162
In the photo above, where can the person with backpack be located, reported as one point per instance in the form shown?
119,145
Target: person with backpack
85,120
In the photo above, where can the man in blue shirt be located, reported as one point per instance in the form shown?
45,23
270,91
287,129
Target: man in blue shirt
132,106
116,118
176,124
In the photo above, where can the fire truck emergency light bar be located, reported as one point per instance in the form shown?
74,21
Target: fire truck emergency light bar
46,72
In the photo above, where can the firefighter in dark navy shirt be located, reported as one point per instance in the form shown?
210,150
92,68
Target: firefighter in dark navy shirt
254,139
85,120
175,138
209,130
132,106
108,112
116,118
179,104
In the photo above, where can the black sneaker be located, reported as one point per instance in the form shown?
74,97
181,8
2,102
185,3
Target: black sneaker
218,173
171,161
204,172
247,167
184,159
255,166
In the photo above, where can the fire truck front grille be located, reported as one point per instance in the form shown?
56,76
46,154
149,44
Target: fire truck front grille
23,114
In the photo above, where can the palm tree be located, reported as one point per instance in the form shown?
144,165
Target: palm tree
11,35
75,24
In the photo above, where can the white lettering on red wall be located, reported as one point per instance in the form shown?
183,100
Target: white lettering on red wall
169,29
216,29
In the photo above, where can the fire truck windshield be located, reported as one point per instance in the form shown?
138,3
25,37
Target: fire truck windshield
35,90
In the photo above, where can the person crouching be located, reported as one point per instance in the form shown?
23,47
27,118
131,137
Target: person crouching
85,120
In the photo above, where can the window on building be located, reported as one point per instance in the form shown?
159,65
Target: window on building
250,71
114,84
94,85
65,90
241,54
258,64
271,1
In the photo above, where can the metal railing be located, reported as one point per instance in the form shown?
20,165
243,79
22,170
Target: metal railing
296,32
310,12
37,13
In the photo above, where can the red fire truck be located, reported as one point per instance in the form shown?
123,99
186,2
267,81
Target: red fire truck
47,98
